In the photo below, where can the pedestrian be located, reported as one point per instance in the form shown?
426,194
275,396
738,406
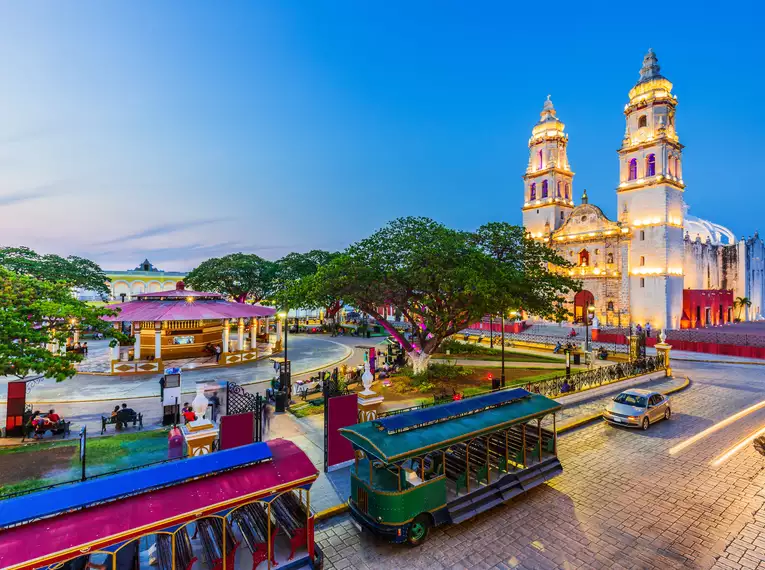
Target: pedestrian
214,404
648,329
265,418
217,353
85,348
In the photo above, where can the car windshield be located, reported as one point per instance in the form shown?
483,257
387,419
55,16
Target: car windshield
631,400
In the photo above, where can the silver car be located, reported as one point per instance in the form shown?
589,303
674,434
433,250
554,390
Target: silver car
638,408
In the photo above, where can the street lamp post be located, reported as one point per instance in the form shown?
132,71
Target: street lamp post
285,380
502,340
491,331
590,309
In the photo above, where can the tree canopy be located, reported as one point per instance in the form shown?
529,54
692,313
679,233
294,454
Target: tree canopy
239,275
443,280
297,289
74,271
36,313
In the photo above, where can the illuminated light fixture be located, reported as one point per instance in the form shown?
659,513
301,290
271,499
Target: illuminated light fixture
625,230
716,427
189,299
596,271
720,459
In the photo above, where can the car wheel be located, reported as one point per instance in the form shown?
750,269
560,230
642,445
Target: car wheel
646,423
418,530
667,414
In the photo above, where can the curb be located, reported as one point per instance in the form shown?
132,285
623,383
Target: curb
594,417
331,512
746,362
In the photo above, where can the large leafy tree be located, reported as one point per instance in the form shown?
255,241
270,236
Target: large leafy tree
442,279
35,314
239,275
297,289
76,272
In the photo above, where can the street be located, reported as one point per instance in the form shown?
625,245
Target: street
626,498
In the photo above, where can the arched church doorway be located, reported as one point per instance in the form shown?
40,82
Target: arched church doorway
582,300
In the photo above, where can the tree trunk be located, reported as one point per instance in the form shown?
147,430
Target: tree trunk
420,361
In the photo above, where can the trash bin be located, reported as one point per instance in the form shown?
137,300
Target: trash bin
369,334
175,444
280,397
577,358
495,383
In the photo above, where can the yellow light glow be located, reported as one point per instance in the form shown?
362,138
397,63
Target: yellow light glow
730,452
716,427
189,299
596,271
591,234
625,230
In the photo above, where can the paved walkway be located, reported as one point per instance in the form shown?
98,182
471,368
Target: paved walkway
626,498
307,353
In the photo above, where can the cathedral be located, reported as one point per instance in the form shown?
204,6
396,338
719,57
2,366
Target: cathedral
656,263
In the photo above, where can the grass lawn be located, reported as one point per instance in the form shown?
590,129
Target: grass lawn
470,351
27,467
304,409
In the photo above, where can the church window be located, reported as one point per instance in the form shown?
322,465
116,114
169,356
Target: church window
562,217
633,169
642,235
650,165
584,258
558,195
642,281
671,166
539,167
642,121
568,191
610,258
533,193
610,306
642,261
544,188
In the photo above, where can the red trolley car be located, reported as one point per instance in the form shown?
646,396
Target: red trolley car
247,507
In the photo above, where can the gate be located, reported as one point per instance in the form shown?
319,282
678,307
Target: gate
340,410
240,401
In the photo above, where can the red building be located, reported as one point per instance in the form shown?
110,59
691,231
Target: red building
702,308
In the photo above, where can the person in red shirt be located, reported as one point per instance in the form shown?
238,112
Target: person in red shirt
53,417
189,415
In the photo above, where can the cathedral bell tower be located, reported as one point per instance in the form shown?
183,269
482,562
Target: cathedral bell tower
650,199
548,182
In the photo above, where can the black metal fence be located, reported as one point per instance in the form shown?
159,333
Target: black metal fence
547,340
562,385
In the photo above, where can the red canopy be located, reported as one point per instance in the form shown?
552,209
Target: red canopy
184,305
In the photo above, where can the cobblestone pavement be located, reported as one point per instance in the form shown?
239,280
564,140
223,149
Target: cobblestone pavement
623,501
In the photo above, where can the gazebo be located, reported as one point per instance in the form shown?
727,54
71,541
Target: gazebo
186,324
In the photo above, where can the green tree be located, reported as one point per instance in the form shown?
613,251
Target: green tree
75,271
36,314
741,302
298,290
238,275
443,280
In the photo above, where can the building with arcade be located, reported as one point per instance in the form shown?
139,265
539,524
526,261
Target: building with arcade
655,263
124,285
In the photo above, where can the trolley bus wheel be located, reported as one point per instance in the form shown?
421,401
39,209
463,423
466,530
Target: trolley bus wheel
418,530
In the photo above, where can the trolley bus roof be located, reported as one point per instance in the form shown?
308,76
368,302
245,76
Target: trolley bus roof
396,438
99,526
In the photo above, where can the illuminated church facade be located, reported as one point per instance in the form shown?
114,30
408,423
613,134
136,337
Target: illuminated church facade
656,263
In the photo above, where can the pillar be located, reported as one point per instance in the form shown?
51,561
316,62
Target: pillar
254,325
158,341
115,352
226,324
137,345
279,331
76,337
240,334
662,351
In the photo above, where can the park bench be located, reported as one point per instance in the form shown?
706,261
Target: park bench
123,417
60,428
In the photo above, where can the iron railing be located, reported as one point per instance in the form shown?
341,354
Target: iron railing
547,340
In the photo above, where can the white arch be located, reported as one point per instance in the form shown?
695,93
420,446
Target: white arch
137,287
715,232
155,286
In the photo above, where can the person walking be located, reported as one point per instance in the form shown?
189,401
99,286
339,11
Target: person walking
265,418
217,353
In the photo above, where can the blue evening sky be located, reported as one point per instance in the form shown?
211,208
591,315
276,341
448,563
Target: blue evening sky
180,130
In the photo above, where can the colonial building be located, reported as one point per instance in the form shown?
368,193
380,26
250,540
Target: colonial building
655,264
124,285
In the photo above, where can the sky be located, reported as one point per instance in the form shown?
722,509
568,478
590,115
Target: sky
183,130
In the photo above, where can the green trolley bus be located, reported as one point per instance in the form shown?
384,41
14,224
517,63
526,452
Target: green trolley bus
447,463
